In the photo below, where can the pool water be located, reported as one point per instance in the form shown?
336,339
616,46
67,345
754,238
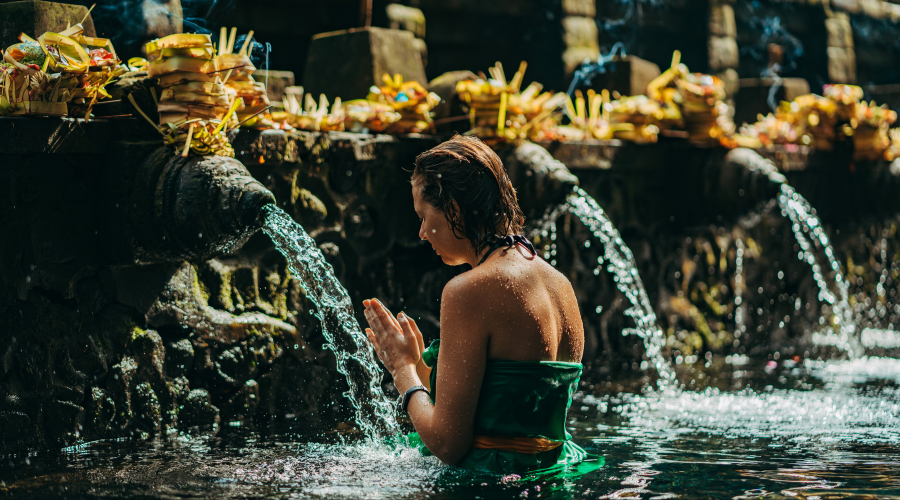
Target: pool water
766,429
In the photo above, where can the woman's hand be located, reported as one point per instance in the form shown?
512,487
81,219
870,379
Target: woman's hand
397,341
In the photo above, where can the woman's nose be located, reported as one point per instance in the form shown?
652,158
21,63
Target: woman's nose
422,232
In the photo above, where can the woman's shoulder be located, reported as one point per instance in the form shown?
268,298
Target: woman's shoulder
472,287
494,280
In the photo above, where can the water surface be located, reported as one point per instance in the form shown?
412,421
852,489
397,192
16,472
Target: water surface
792,430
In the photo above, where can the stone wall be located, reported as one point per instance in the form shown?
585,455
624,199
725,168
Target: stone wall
653,30
110,328
102,338
682,211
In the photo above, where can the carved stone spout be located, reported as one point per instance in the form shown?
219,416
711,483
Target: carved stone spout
189,208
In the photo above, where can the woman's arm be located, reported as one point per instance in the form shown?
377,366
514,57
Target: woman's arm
446,428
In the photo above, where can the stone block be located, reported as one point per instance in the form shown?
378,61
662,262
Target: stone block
872,8
162,18
422,47
275,81
580,32
586,8
721,20
841,65
406,18
574,56
893,11
851,6
36,18
731,79
840,34
627,77
449,115
723,53
346,63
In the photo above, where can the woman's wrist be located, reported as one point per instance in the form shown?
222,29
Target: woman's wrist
406,377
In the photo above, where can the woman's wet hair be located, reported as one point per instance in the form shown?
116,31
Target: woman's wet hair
467,171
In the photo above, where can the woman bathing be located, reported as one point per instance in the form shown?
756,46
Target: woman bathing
511,340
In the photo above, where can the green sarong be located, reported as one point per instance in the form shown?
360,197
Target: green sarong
521,399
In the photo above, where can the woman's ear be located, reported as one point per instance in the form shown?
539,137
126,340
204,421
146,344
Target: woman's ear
460,220
457,213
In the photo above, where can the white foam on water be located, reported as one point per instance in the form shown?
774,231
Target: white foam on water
876,337
349,471
825,415
858,371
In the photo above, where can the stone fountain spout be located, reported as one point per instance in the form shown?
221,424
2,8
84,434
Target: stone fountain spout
195,207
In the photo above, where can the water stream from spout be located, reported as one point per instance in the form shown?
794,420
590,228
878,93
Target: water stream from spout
620,263
355,356
804,222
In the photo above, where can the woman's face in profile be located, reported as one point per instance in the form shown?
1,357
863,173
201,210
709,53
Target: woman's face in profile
435,229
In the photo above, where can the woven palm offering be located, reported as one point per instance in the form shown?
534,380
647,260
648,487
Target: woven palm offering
819,121
363,115
693,102
236,71
706,117
870,125
408,99
57,74
195,107
893,150
312,115
499,111
643,114
589,118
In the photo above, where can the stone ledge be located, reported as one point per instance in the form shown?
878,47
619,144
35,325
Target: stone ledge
23,134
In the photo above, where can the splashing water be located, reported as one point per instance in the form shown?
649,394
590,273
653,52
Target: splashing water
620,263
805,222
739,308
836,415
347,471
355,356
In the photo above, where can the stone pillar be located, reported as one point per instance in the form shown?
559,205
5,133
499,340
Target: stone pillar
723,47
410,19
841,56
579,33
34,18
162,18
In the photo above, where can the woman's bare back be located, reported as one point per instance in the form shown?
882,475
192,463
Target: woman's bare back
529,309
